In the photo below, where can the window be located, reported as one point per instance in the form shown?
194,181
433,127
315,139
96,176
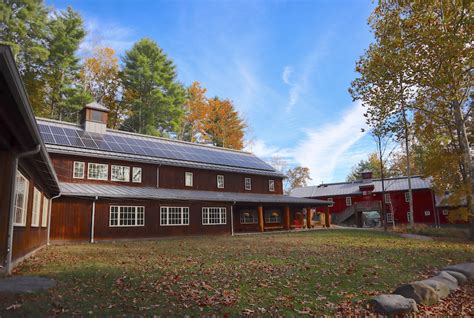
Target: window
21,199
96,115
35,214
120,173
97,171
348,201
171,215
408,216
387,198
332,202
248,184
220,182
44,216
78,170
214,216
272,216
445,212
271,185
389,217
427,213
137,174
188,179
407,196
127,216
248,217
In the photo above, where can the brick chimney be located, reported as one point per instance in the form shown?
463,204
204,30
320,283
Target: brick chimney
367,176
94,118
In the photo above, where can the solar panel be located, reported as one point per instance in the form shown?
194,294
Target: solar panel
56,134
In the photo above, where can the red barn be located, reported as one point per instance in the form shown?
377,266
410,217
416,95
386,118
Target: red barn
354,202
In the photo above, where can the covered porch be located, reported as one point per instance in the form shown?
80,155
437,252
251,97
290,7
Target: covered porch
266,217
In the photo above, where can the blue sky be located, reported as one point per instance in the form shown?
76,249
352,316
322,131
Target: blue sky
287,66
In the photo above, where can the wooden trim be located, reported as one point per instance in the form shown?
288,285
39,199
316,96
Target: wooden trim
260,218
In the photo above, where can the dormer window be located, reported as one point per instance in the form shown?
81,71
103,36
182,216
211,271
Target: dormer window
220,182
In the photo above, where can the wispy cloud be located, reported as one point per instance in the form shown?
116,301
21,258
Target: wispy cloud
323,149
287,71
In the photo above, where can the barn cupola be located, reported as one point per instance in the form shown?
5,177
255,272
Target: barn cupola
367,176
94,118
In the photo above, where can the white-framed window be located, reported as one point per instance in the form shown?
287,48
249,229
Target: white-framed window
35,213
389,217
97,171
387,198
408,216
348,201
248,217
44,215
188,179
21,199
248,184
220,182
445,212
427,213
137,174
271,185
272,216
407,196
211,216
171,215
79,168
120,173
332,202
127,216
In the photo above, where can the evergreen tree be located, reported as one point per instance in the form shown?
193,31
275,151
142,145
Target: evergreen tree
65,96
152,93
23,26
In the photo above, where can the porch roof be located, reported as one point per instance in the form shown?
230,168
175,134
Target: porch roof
128,192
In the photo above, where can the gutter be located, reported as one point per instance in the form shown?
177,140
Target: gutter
11,211
93,219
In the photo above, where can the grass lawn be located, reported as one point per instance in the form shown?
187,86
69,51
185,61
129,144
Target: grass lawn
287,274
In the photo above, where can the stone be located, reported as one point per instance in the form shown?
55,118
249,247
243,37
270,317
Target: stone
393,305
420,292
460,277
467,269
440,287
25,284
447,279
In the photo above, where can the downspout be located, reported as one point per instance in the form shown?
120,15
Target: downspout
93,219
49,217
232,219
435,211
14,168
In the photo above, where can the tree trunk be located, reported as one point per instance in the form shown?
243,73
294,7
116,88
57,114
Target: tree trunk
384,216
407,149
466,154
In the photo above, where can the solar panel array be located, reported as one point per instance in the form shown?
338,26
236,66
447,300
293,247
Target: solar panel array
57,134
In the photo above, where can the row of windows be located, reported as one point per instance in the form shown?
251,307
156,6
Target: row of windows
100,171
39,212
188,182
386,199
390,216
251,217
169,216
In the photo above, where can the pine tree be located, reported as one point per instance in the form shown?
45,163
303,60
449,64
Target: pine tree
152,93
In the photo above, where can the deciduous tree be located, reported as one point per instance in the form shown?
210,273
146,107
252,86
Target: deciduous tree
297,177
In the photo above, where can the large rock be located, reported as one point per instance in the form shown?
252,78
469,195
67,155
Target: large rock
393,305
467,269
460,277
440,287
420,292
447,279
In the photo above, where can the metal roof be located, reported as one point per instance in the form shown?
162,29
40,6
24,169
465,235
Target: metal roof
346,188
71,138
97,106
128,192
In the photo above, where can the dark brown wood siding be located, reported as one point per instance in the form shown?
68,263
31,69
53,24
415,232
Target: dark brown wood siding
71,219
169,176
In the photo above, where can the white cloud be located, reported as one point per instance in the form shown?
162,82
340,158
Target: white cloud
259,148
325,148
287,72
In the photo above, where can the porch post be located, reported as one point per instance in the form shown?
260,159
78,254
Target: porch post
308,217
326,217
287,217
260,218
